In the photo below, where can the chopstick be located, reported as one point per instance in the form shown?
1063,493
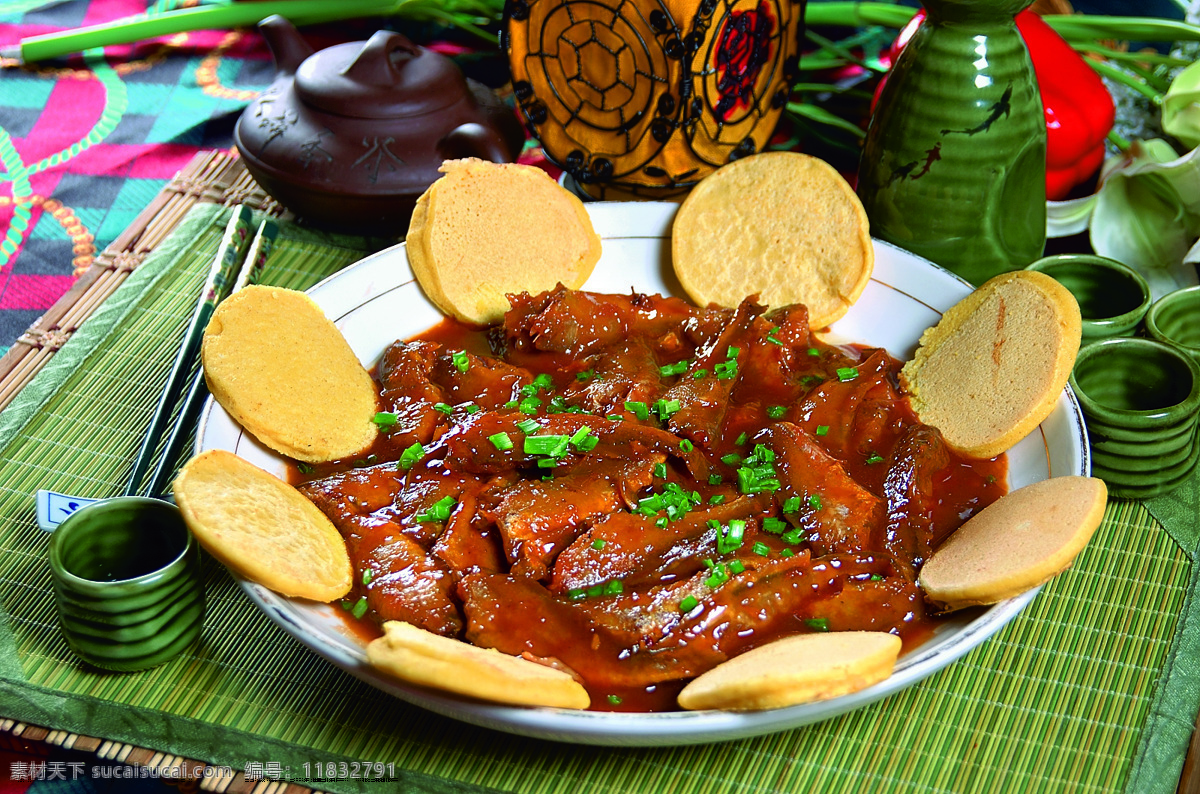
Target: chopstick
216,286
256,259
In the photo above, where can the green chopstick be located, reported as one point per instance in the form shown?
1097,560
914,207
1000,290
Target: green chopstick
232,15
185,420
216,286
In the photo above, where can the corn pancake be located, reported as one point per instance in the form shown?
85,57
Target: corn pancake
421,657
286,374
262,528
1016,543
793,670
485,230
992,369
781,225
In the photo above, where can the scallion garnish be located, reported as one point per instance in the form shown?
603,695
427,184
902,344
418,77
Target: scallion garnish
731,539
812,351
599,543
527,426
501,441
461,362
822,430
817,624
438,511
688,604
794,537
410,456
776,411
815,501
774,525
791,504
678,368
444,408
700,373
383,420
638,408
717,499
614,699
660,470
587,374
875,457
529,405
761,549
360,608
367,576
686,446
847,373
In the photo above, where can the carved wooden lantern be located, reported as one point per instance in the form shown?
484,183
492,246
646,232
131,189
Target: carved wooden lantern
647,97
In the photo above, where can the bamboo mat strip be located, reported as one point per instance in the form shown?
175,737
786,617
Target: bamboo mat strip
214,177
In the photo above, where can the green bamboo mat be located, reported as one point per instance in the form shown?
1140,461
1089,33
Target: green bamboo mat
1082,692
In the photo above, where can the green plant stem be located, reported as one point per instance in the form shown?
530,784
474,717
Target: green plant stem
1116,140
1122,77
1141,57
832,46
822,116
1081,27
856,15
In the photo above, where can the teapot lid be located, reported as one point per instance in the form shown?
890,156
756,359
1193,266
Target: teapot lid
385,77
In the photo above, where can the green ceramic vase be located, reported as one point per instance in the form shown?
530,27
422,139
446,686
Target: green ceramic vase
954,165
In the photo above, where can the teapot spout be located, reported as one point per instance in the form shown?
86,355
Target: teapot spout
287,46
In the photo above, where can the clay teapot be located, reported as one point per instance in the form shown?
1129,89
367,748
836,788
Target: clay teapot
349,137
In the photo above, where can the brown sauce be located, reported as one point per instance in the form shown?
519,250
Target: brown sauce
499,577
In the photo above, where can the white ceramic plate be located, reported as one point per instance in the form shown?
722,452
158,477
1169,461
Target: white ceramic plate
376,301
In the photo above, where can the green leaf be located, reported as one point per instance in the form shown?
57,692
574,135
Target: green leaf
822,116
1147,213
1181,107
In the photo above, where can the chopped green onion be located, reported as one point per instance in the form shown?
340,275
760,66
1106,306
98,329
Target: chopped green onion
726,369
731,459
554,445
588,444
580,434
472,408
587,374
410,456
665,409
596,590
614,699
661,523
764,453
875,458
688,604
438,511
367,576
776,411
360,608
794,537
686,446
577,594
731,540
741,439
736,567
304,468
599,543
638,408
461,362
771,336
558,405
543,382
444,408
774,525
714,479
761,549
501,441
678,368
733,352
713,523
614,587
660,470
817,624
815,501
876,577
511,404
384,419
847,373
527,425
529,405
547,463
822,430
614,417
717,499
717,578
700,373
812,351
792,505
811,380
787,553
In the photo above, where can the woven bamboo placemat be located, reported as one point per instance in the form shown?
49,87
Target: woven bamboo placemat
1069,697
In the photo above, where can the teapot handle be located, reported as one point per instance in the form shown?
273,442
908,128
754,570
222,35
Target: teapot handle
473,140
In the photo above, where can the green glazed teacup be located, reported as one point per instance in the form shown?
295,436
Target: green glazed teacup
1175,319
127,583
1113,298
1141,400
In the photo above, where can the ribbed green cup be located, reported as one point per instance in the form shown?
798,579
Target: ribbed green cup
127,583
1175,319
1141,401
1113,298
